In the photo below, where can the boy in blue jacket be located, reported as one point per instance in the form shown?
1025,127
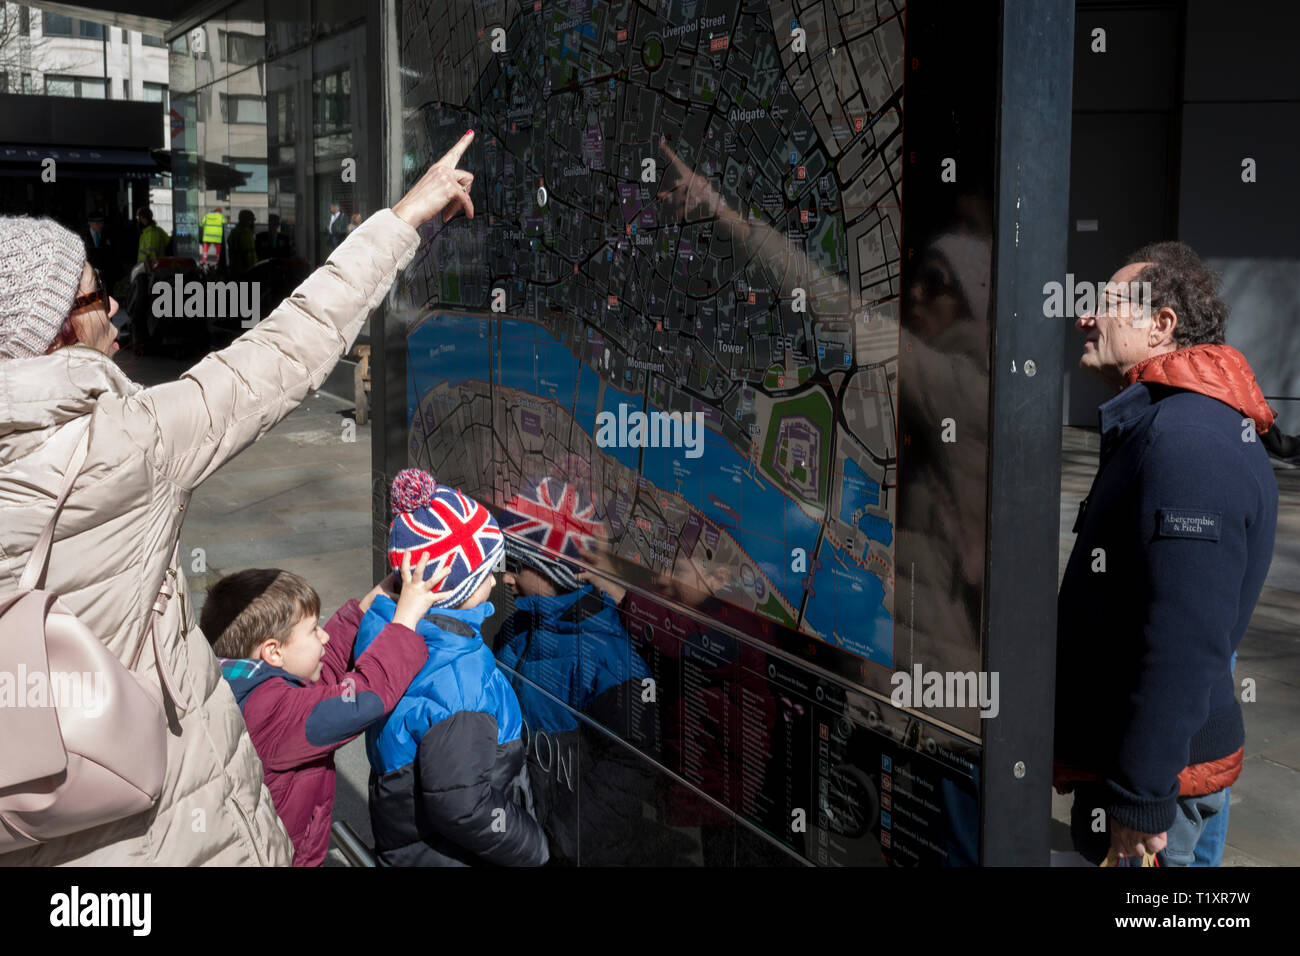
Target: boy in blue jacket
448,782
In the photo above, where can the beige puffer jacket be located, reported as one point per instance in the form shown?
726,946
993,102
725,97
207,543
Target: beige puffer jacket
149,449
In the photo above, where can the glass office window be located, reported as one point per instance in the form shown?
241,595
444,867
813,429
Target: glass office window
288,26
288,148
57,25
243,35
82,87
333,16
187,172
205,47
339,76
246,138
243,108
180,65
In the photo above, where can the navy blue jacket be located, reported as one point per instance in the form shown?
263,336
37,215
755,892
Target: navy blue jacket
448,786
1174,542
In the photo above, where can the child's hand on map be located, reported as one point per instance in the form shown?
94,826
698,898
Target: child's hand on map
443,188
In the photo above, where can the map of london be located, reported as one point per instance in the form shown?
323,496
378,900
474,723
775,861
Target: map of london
686,207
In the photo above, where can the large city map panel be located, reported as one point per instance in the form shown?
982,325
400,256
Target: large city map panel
774,316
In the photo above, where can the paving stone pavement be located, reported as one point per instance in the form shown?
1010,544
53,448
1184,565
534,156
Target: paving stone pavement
300,499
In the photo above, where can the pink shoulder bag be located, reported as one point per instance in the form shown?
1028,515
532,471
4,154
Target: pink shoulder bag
83,739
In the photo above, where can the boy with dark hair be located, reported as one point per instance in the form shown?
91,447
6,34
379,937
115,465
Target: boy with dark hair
447,767
291,680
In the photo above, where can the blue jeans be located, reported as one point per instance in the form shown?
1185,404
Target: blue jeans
1196,838
1199,832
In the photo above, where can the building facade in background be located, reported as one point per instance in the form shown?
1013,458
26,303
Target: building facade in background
267,116
43,53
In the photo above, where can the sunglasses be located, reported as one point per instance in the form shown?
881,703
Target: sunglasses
89,299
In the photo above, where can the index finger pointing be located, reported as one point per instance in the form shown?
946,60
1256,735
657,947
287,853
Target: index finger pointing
673,158
456,152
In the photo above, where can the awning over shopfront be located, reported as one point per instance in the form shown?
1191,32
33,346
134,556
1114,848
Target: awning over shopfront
88,162
215,175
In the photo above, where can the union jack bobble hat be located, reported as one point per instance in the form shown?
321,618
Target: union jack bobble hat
451,528
551,519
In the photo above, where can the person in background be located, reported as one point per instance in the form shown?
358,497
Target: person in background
337,228
101,251
243,244
212,234
272,243
354,222
153,238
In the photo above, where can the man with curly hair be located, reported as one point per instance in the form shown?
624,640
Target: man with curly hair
1174,542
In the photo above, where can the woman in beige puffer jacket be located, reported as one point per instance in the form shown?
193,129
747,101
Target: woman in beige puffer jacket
149,449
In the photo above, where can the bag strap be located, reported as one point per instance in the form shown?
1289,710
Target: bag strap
37,564
165,594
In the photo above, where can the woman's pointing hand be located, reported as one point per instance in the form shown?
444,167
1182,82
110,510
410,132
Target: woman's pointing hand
442,189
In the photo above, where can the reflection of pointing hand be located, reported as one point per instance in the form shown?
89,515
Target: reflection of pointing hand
691,192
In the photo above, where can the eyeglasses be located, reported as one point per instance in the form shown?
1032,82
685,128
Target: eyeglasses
88,299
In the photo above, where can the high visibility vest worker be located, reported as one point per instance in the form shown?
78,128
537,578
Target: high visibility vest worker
153,243
214,227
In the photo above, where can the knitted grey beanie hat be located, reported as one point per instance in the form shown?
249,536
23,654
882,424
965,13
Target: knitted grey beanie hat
40,272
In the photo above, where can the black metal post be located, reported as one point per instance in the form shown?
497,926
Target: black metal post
1025,428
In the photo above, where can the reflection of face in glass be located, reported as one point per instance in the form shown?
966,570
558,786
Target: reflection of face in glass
933,299
524,581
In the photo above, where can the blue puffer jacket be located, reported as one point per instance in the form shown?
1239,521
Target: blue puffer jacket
447,766
570,656
571,647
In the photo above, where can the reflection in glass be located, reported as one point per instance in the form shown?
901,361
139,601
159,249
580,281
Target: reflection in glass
738,300
187,179
243,35
288,26
288,144
180,65
339,78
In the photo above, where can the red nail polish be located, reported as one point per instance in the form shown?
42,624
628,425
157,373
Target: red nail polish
468,131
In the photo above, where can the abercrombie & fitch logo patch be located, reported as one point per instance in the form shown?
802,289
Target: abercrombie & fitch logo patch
1182,523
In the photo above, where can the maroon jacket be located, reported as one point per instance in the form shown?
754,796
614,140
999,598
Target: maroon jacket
296,726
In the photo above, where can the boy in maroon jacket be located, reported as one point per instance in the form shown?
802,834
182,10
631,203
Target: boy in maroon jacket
291,680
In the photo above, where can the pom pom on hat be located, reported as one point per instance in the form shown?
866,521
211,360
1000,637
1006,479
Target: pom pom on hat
451,528
412,489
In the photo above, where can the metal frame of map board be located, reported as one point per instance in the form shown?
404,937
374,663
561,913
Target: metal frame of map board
1016,588
1025,429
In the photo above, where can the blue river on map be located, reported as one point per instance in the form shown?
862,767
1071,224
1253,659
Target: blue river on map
721,483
